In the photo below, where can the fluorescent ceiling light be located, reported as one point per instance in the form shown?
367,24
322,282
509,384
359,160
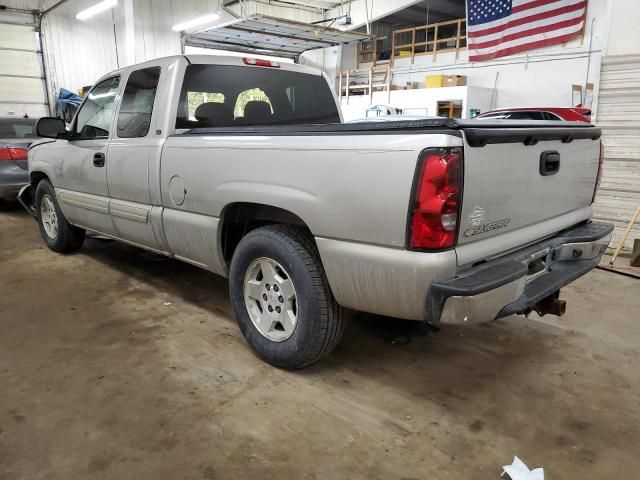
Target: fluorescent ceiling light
196,22
95,9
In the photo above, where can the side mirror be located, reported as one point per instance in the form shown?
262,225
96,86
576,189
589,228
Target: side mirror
49,127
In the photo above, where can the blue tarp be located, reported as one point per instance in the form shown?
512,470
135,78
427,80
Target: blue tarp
66,98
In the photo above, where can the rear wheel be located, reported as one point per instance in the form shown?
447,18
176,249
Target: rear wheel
281,297
59,235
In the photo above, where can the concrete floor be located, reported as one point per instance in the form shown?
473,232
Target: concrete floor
119,364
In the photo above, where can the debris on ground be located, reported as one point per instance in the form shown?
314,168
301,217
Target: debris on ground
518,470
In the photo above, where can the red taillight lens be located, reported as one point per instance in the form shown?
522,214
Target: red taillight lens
435,209
260,63
18,153
13,153
599,177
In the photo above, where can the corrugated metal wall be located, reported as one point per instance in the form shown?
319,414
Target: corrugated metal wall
619,118
76,53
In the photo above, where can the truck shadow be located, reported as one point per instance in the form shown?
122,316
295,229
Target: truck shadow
177,278
372,345
456,385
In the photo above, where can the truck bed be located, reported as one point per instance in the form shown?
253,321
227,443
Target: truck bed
478,132
501,173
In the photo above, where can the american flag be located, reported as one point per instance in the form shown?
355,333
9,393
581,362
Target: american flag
496,28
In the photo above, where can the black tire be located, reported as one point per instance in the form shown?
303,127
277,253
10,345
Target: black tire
319,325
69,238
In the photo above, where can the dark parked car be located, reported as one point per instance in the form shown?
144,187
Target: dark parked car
16,134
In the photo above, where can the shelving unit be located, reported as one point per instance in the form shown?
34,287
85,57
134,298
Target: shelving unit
378,79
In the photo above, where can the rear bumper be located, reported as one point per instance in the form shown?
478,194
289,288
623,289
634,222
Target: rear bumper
518,281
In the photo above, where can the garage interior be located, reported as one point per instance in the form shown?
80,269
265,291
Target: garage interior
117,362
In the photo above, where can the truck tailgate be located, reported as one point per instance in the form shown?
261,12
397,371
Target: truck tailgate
521,177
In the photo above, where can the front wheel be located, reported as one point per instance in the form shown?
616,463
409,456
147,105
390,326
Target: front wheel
59,235
281,297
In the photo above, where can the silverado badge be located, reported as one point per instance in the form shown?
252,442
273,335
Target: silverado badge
487,227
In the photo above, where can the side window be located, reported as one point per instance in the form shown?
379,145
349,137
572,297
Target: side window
291,95
134,118
95,115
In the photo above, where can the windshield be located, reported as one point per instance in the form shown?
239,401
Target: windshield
93,120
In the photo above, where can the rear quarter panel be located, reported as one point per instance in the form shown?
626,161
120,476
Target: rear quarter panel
352,191
349,187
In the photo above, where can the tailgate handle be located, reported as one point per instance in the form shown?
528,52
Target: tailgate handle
549,163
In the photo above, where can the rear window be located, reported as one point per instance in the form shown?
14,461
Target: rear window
229,95
17,128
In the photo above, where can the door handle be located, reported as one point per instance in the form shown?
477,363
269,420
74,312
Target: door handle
549,163
99,159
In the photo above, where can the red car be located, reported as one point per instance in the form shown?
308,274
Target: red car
568,114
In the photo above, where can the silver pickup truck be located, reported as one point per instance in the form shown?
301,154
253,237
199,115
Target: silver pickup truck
244,168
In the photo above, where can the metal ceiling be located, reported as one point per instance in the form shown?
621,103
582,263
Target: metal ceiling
261,34
320,4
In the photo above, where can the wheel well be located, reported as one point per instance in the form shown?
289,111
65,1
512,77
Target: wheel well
238,219
36,177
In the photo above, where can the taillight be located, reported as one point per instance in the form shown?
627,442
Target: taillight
13,153
260,63
599,177
436,200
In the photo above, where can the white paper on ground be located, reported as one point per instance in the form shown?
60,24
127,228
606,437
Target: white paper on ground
519,471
